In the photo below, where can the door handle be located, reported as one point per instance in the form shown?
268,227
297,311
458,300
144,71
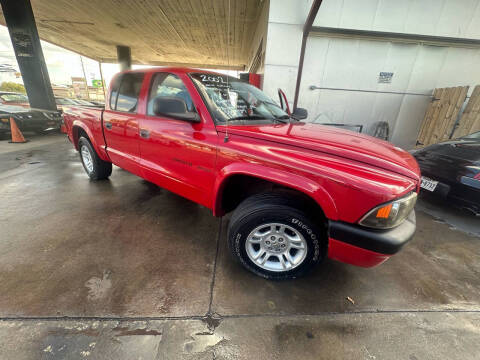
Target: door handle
144,133
108,125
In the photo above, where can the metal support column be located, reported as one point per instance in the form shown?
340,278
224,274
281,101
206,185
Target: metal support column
124,56
306,30
28,51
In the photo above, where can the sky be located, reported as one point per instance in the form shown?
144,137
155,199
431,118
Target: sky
62,64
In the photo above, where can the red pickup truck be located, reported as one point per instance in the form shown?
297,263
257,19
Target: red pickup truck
299,192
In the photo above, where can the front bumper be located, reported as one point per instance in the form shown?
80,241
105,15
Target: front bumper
360,246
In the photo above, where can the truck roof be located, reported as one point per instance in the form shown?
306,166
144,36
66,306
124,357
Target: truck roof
170,69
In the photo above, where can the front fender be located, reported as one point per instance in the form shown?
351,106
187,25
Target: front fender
284,178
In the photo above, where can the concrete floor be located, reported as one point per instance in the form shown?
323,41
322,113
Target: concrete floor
121,269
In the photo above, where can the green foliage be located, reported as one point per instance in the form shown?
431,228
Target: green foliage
13,87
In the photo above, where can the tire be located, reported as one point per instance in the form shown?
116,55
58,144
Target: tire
96,168
262,216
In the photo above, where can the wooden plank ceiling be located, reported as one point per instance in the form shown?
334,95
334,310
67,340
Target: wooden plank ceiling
159,32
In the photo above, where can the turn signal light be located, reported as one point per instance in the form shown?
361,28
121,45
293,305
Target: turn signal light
389,215
477,176
384,212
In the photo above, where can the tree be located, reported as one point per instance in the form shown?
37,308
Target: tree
13,87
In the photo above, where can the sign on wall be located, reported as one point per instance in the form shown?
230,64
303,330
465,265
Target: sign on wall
23,44
385,77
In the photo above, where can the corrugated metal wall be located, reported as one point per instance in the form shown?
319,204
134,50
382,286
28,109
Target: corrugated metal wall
355,63
452,18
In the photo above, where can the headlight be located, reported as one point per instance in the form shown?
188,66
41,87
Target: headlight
391,214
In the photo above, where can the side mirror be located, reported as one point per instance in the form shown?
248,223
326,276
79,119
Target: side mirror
174,107
300,113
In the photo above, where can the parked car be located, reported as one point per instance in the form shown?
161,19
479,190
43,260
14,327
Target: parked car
451,170
70,102
82,102
16,99
61,102
298,192
28,120
97,103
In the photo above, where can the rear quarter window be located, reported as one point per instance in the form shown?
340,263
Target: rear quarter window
114,91
127,99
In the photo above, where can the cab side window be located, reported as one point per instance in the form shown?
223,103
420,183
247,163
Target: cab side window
114,93
170,86
128,92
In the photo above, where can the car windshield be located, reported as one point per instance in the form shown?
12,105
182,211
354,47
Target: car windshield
14,98
474,136
230,99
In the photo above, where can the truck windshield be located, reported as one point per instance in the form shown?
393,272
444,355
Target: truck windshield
230,99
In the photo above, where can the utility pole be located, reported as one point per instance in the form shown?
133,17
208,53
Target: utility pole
85,77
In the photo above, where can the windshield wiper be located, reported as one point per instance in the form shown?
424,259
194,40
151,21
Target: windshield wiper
248,117
260,117
284,117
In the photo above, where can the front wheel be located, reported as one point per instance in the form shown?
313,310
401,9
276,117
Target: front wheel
273,238
95,167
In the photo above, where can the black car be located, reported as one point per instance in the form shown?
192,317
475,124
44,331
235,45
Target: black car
28,120
451,169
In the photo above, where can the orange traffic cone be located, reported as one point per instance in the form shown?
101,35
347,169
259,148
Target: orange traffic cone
17,136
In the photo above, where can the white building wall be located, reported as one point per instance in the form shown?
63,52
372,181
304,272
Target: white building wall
355,63
451,18
284,39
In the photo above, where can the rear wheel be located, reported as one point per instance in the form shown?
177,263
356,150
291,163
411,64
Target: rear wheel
95,167
272,237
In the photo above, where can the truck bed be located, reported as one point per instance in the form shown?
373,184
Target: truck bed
90,120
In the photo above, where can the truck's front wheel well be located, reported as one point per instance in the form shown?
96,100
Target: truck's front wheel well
78,132
240,187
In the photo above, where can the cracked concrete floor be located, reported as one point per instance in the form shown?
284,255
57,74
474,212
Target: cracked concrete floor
123,270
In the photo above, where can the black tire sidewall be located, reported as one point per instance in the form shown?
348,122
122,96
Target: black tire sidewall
314,236
84,142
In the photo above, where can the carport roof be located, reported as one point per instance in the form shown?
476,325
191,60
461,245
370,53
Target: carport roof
159,32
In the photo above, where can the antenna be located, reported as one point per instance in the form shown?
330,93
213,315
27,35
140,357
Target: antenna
225,139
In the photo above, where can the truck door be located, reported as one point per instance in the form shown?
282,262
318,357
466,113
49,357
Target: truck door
120,123
178,155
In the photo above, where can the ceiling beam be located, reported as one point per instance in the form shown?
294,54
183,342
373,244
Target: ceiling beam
179,64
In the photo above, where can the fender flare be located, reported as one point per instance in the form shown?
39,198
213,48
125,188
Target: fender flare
281,177
100,151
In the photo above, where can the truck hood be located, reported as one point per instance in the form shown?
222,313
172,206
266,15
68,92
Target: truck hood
334,141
